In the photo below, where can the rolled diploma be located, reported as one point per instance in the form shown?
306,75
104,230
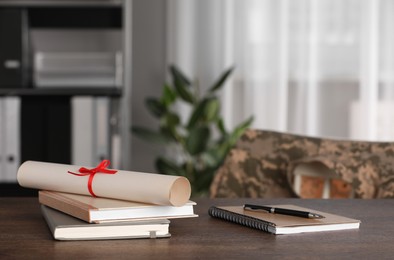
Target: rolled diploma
125,185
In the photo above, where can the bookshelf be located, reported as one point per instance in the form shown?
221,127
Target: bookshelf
44,122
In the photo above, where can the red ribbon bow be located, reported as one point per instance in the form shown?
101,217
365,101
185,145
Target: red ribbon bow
102,167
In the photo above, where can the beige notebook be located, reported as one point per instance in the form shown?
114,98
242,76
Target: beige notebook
283,224
100,210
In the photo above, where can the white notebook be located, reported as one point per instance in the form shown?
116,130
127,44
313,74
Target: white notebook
66,227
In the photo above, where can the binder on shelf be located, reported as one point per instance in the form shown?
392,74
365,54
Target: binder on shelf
102,127
2,148
10,137
82,136
91,133
12,61
78,69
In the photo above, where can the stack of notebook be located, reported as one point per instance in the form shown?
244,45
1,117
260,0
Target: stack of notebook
100,203
81,217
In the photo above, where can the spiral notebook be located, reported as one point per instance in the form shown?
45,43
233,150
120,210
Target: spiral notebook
283,224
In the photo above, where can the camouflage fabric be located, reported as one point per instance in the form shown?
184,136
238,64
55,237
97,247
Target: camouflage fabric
262,162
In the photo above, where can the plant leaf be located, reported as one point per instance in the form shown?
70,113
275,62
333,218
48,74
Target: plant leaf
170,123
219,83
227,141
177,74
197,140
183,92
220,151
203,179
207,110
197,114
211,109
169,95
149,135
172,120
171,134
165,166
155,107
180,83
220,125
211,157
240,129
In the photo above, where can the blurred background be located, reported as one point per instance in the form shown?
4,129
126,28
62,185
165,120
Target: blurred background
320,68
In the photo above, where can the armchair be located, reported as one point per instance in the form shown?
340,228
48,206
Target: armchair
267,164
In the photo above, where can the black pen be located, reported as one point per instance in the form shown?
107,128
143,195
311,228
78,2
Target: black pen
290,212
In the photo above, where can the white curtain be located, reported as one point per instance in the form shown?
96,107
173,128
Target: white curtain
315,67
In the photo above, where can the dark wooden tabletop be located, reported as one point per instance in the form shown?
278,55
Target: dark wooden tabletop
25,235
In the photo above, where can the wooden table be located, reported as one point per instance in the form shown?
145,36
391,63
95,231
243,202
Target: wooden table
24,235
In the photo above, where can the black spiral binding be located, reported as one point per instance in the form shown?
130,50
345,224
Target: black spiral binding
242,219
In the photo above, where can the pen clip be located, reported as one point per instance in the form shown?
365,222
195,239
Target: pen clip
251,207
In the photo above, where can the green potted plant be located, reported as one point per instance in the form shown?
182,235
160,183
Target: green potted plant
199,145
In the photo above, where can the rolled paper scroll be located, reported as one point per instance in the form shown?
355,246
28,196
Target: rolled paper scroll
125,185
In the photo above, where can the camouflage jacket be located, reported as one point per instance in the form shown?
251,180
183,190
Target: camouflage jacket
262,162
